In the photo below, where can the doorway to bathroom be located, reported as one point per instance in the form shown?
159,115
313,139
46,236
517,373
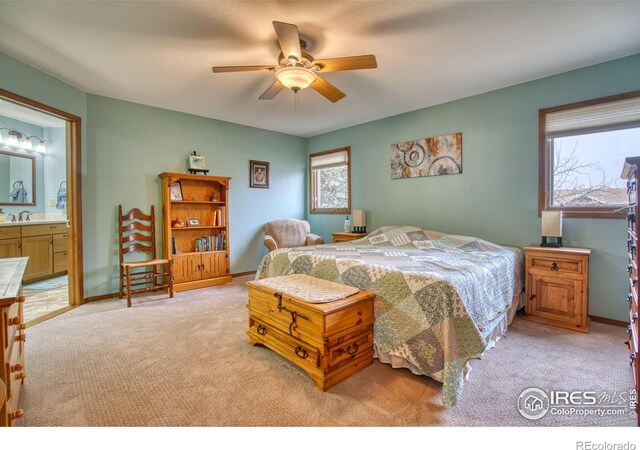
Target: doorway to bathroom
40,210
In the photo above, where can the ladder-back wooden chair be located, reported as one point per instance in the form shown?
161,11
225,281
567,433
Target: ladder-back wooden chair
137,233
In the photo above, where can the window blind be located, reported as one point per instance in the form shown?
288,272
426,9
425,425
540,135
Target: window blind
608,116
329,160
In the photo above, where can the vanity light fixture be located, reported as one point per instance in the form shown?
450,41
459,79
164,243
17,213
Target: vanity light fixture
12,140
26,143
19,139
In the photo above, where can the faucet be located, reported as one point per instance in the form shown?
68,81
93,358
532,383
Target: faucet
28,213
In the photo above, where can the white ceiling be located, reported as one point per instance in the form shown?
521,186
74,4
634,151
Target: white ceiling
430,52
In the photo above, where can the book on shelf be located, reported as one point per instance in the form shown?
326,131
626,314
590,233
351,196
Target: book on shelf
211,243
218,218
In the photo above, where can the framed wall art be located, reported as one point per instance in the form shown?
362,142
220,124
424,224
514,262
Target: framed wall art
427,157
258,174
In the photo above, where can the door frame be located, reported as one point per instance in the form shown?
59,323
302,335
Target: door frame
74,190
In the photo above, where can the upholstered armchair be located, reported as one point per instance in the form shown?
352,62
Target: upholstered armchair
284,233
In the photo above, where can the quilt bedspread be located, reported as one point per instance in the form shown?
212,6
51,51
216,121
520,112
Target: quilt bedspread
435,293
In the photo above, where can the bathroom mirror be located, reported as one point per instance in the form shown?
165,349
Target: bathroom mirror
17,179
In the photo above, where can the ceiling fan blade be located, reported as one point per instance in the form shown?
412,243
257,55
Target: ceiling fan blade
223,69
327,89
273,90
347,63
289,39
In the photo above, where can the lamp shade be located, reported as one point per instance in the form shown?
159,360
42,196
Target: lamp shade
359,221
41,147
13,139
551,229
26,143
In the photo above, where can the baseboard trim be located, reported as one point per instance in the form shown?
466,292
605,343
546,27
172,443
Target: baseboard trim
243,274
617,323
95,298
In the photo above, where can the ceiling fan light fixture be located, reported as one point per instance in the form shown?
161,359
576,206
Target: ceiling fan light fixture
295,78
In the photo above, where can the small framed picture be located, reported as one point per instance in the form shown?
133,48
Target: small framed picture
193,221
258,174
196,162
176,190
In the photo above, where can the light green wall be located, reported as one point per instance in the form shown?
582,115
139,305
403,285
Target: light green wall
131,144
495,198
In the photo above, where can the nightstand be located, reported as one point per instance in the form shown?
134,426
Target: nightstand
344,237
557,286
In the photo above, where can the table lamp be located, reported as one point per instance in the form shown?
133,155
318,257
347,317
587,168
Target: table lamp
551,229
359,221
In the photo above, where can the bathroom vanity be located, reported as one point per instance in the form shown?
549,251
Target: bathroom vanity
44,242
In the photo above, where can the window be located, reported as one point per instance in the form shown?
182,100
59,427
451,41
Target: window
582,150
330,177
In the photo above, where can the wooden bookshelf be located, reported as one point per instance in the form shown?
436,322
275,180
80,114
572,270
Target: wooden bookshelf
207,265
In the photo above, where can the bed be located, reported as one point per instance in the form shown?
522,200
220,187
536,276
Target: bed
441,299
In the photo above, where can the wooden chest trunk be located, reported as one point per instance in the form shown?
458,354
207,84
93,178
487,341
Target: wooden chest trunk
329,341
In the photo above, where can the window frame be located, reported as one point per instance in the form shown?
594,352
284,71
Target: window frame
544,168
312,184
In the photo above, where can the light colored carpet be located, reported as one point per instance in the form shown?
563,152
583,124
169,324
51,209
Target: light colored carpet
187,362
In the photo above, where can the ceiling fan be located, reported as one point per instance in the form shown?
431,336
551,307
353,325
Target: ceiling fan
298,70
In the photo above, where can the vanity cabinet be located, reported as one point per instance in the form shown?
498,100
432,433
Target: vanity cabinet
38,249
9,248
44,244
10,242
60,258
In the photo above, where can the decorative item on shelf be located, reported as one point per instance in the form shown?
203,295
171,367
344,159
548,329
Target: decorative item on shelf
177,223
359,221
193,221
215,196
347,225
21,140
551,229
197,164
176,190
259,174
